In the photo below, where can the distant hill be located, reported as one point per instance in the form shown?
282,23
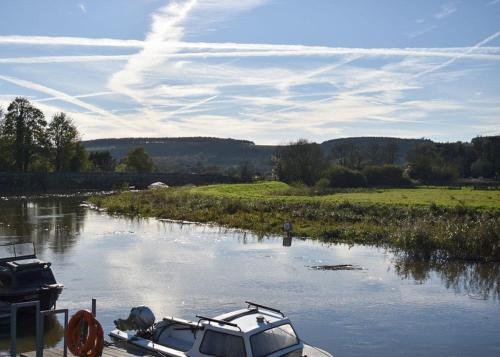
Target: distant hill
190,154
366,142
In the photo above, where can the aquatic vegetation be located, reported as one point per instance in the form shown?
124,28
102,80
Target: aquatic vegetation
336,267
436,229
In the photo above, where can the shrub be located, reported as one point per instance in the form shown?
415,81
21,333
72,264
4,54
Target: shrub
300,161
482,168
340,176
322,186
386,175
445,173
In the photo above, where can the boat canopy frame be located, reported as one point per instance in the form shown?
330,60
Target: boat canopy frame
221,322
264,307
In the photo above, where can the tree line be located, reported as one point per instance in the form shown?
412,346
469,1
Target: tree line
351,165
30,143
448,161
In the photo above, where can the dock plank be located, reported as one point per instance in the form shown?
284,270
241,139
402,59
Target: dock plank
108,351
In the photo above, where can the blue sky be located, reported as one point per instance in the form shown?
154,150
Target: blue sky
270,71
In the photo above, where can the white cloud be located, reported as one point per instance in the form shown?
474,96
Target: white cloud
458,56
490,54
68,41
88,95
61,95
82,8
65,97
187,108
422,31
165,27
204,88
229,5
167,47
432,105
446,10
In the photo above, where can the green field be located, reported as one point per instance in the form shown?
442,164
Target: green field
429,223
441,196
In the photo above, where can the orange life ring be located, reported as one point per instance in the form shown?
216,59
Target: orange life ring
85,336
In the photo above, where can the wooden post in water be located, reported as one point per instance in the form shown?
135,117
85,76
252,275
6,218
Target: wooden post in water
287,240
94,307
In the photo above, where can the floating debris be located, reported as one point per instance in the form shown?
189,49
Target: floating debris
92,207
56,195
336,267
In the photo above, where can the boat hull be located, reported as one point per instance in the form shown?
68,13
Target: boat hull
312,351
47,296
142,343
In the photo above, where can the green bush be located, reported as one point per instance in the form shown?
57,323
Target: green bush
445,173
322,186
386,175
340,176
482,168
300,161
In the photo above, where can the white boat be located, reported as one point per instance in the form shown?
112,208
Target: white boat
256,331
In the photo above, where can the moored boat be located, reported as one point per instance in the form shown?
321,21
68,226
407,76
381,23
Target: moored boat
23,278
255,331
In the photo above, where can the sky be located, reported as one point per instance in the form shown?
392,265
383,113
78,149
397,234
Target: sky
270,71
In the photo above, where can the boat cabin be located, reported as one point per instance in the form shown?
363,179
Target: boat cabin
24,277
22,269
256,331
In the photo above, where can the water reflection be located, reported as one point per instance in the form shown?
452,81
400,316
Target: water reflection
53,333
287,242
184,269
57,221
60,220
478,280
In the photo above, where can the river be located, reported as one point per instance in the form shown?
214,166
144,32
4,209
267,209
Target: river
393,306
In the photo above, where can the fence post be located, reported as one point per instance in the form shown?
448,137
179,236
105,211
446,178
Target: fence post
55,312
94,307
13,330
65,330
39,333
13,327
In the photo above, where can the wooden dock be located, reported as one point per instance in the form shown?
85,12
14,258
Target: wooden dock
108,351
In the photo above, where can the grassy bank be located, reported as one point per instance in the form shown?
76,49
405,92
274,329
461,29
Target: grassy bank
425,222
421,196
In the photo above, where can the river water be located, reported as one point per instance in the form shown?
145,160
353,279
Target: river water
393,306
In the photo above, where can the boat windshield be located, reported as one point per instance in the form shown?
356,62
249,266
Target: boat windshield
222,344
13,251
272,340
